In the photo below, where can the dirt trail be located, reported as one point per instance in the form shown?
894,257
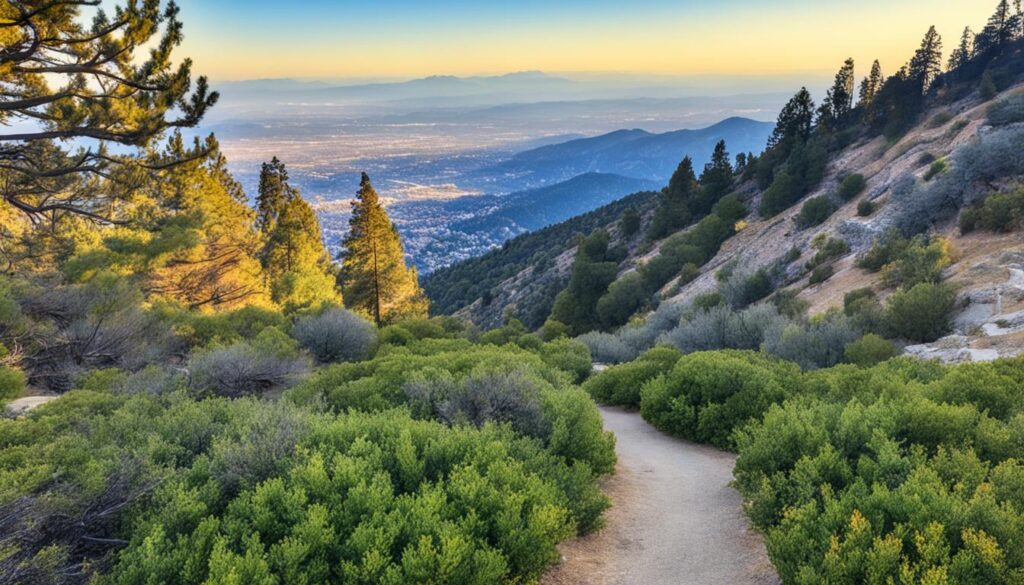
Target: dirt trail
674,519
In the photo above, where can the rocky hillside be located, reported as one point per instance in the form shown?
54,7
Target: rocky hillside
966,146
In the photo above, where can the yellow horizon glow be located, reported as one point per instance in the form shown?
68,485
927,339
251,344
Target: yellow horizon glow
773,41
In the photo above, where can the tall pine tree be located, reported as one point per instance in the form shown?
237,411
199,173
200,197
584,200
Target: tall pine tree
716,180
838,103
1002,27
926,65
673,210
961,55
869,89
374,276
274,194
294,258
796,120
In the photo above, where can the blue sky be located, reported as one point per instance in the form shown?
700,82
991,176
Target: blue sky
242,39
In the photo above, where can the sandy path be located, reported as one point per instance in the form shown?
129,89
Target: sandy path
674,519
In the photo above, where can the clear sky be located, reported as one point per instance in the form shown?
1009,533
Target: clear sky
247,39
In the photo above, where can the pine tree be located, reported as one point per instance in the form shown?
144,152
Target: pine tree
1002,27
296,261
716,180
374,275
962,55
838,103
73,73
870,86
673,209
592,273
274,194
926,65
795,123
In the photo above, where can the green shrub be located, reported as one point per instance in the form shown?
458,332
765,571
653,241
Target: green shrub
883,250
620,385
865,208
838,477
689,273
789,304
12,384
869,351
553,330
814,212
630,222
1001,212
828,249
707,395
569,356
923,313
709,300
200,330
938,167
730,209
821,274
922,260
851,186
625,297
851,298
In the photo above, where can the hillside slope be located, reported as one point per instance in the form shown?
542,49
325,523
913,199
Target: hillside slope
924,176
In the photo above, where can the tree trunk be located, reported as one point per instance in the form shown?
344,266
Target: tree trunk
376,285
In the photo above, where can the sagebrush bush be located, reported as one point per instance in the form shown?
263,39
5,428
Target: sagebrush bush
820,343
923,313
1009,110
269,362
606,348
707,395
722,328
336,335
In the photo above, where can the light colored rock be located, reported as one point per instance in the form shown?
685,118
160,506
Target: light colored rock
23,405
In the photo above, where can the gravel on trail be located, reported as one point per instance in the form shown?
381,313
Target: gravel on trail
674,520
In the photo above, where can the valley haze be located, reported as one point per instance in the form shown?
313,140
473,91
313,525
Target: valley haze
445,149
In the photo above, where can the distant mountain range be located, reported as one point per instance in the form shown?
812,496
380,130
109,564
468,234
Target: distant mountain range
630,153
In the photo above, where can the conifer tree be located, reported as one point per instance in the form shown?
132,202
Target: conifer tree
1002,27
870,86
296,261
593,272
673,210
716,180
74,71
794,124
836,107
274,194
962,55
374,276
926,65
